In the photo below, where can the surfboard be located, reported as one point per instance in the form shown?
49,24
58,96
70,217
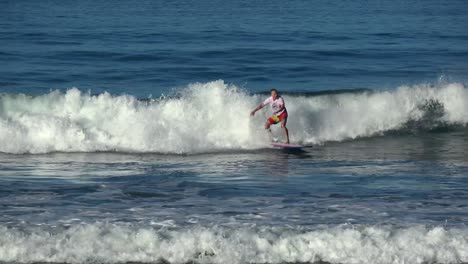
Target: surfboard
286,146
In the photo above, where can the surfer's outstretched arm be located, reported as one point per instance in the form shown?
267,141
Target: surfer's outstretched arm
256,109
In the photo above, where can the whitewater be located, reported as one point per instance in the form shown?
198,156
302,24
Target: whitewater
214,116
104,243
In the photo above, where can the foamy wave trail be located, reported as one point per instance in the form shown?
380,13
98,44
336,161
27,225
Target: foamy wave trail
105,243
214,116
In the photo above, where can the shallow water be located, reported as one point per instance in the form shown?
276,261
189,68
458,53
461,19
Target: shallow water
398,180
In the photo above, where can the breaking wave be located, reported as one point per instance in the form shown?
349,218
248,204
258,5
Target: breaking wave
214,116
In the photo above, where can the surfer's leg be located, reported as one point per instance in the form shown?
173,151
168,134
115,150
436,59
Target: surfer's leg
268,129
285,129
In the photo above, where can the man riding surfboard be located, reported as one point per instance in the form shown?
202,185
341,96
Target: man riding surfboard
280,114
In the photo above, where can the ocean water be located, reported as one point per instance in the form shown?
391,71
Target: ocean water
125,134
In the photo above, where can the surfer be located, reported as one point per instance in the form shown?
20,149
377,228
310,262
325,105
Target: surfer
280,114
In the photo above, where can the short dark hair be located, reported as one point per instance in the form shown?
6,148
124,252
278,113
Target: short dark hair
273,89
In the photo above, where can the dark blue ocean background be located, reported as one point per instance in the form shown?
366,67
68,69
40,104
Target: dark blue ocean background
125,133
149,47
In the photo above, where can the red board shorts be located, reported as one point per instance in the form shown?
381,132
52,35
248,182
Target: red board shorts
274,119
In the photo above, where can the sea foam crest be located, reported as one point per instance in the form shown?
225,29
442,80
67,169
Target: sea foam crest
213,116
100,243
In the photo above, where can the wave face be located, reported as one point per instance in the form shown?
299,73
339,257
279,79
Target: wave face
214,116
101,243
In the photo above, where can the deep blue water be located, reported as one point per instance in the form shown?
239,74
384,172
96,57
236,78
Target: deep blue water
125,133
149,47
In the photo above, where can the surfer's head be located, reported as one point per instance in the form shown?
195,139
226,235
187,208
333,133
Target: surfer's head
274,93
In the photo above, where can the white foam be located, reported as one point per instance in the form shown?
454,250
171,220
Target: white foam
348,116
207,117
101,243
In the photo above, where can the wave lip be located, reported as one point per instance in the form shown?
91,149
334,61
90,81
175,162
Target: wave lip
214,116
101,243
